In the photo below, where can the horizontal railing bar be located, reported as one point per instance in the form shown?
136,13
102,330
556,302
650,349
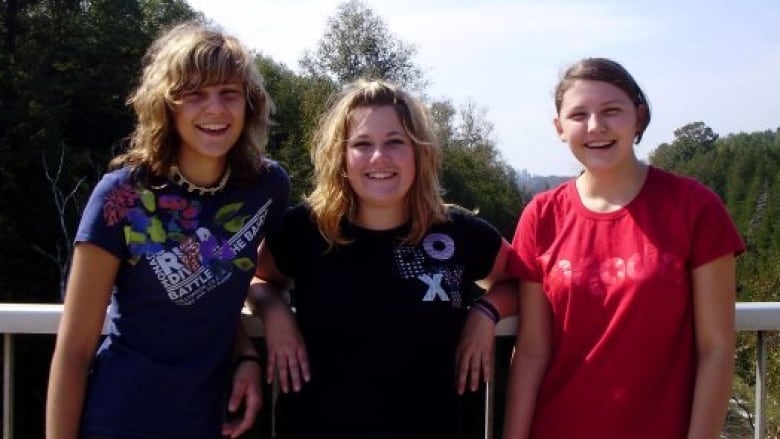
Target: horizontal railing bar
44,318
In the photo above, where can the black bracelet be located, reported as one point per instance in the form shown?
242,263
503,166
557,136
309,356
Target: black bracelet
243,358
486,308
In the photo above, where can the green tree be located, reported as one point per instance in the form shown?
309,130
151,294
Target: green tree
299,100
689,140
474,174
358,44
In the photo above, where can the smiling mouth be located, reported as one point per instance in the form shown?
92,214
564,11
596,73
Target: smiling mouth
600,145
214,128
380,175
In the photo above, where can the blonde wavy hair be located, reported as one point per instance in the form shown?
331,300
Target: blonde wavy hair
333,199
183,59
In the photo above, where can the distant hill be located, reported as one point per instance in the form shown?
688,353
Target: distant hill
538,183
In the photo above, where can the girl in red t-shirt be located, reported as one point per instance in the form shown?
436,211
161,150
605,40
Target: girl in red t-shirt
627,284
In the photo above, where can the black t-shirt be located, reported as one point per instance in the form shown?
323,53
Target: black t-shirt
381,321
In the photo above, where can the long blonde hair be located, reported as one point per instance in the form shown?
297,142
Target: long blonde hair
185,58
333,199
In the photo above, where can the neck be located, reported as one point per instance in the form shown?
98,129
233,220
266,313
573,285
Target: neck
192,178
204,173
610,191
380,217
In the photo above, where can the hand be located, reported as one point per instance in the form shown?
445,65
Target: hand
475,352
246,389
286,349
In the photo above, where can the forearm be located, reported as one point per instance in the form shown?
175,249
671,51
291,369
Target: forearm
711,393
503,296
65,398
265,297
525,378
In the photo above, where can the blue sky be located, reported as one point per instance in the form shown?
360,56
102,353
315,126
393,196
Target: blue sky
714,61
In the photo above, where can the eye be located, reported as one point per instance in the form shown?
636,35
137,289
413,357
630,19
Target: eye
192,96
232,93
578,115
360,144
611,111
396,141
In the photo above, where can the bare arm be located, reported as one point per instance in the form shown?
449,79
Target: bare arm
532,352
286,349
90,282
475,354
714,295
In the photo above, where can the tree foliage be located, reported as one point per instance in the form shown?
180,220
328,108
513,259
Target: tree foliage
689,140
358,44
474,174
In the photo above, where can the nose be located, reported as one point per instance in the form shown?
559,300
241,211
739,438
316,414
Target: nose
215,103
378,153
595,123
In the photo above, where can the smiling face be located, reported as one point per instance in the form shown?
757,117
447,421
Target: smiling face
209,121
380,163
599,122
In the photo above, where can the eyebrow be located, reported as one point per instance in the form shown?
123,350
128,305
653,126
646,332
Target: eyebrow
388,134
604,104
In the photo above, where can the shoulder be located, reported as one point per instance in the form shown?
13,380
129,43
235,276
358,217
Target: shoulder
463,219
273,167
298,217
460,215
122,178
300,211
552,200
681,188
273,171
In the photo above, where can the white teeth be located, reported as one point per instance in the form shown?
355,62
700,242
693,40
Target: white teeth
380,175
213,127
598,144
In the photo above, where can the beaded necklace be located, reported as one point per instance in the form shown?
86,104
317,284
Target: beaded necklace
177,177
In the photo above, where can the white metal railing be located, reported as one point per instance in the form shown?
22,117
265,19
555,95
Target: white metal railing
26,318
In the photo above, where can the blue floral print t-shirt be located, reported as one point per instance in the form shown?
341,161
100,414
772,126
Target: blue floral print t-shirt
186,261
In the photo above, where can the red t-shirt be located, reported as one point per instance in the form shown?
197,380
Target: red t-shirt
623,356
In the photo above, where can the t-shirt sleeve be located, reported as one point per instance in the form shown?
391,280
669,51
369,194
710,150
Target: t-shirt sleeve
484,242
281,193
283,241
525,264
713,232
104,218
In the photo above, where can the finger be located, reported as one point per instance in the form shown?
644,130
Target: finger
463,370
270,371
282,371
235,397
295,373
476,364
303,359
487,368
252,406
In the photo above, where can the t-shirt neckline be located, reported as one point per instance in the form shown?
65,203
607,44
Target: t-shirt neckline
584,211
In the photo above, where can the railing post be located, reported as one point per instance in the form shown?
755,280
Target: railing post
760,426
8,386
489,407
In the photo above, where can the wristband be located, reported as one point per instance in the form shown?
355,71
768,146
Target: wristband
486,308
244,358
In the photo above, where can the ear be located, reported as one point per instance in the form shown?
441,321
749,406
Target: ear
559,128
641,118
